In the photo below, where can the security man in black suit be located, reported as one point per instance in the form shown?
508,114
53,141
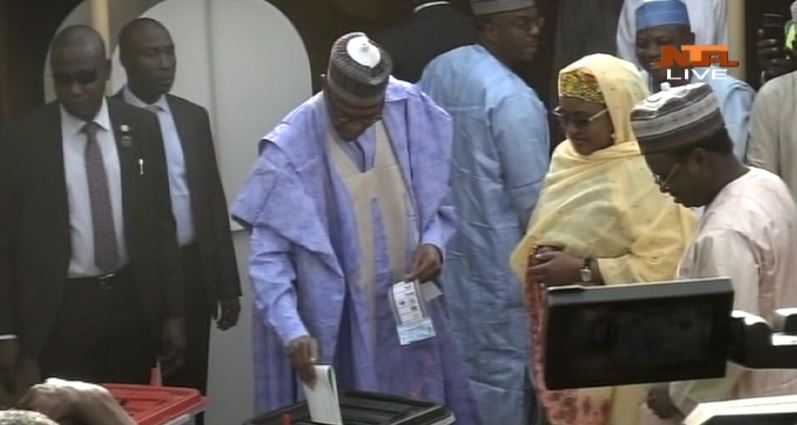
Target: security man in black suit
434,28
210,273
89,267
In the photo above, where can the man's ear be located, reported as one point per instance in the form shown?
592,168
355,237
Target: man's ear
490,32
106,68
699,158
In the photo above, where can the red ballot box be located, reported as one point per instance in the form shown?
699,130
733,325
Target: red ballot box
150,405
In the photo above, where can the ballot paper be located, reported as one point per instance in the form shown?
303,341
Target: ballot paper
323,397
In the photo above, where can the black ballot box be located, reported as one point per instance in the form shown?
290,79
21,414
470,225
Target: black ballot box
360,408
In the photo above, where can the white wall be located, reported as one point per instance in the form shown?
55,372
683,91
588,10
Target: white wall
245,63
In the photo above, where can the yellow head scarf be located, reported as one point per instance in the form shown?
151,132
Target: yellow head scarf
620,86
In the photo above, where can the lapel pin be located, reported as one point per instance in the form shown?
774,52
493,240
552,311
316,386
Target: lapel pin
126,140
141,166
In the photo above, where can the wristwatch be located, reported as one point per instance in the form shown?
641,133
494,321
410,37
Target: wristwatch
586,271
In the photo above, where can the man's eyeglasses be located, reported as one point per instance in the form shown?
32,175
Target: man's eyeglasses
367,122
527,24
664,183
580,122
82,78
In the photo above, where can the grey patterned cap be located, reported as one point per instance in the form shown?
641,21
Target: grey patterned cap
676,118
359,70
488,7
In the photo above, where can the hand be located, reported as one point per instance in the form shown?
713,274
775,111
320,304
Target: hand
661,404
174,345
773,57
303,354
59,400
427,265
554,268
9,361
230,310
75,402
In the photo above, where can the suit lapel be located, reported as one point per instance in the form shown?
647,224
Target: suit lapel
127,149
53,164
183,123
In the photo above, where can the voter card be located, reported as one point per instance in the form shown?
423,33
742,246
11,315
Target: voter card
418,330
410,312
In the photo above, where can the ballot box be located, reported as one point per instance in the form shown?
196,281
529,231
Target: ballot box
153,405
359,408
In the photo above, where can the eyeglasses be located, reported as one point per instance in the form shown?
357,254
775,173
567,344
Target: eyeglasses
82,78
341,120
527,24
664,183
580,122
338,118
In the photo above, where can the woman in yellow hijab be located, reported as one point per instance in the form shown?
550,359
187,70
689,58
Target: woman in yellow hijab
601,220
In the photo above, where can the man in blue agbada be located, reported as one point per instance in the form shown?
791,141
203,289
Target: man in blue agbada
500,157
666,22
348,198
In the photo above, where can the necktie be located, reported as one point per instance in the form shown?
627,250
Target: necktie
106,252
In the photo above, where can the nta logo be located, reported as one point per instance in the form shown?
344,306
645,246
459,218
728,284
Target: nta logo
696,56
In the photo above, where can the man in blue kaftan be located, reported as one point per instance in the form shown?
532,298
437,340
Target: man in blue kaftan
349,197
500,157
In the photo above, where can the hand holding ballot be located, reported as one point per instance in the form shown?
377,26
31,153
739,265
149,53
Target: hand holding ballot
303,354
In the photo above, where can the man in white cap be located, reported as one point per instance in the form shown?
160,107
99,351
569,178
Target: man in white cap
347,199
747,232
500,157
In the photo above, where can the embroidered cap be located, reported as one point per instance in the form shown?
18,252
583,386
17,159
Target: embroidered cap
488,7
654,13
359,70
676,118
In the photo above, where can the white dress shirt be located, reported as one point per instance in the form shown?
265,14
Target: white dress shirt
175,160
73,141
77,187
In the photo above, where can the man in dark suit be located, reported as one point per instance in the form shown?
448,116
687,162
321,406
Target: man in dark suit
434,28
210,272
89,271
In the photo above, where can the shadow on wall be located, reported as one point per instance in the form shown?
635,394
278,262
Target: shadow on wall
327,20
26,28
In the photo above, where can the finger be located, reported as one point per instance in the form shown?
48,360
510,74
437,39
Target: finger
539,269
416,265
313,350
772,52
236,314
224,319
307,375
310,356
427,271
781,63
